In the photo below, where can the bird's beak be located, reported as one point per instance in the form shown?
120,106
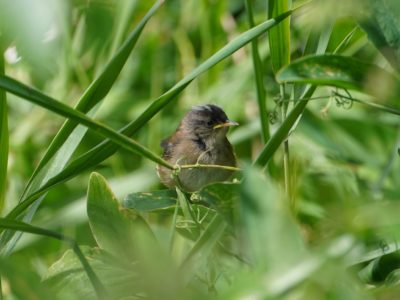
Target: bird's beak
226,124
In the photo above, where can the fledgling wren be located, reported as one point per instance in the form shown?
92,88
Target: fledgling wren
200,138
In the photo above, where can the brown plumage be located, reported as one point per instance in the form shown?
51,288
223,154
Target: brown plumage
199,138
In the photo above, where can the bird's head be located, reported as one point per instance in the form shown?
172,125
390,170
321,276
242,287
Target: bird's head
207,121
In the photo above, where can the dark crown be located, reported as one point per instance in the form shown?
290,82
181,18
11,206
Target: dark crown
215,113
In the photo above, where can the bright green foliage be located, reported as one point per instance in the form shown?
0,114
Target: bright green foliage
318,78
3,139
338,71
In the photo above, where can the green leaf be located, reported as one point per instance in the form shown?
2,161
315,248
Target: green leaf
113,227
24,227
69,279
221,196
204,245
23,282
335,70
150,201
3,138
270,236
69,136
279,36
382,25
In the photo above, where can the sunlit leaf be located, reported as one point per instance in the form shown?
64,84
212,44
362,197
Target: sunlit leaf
3,138
338,71
150,201
67,277
381,23
113,227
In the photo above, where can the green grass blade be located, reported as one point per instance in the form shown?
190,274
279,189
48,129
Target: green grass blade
40,99
279,44
93,95
205,243
3,138
258,73
279,36
21,226
281,134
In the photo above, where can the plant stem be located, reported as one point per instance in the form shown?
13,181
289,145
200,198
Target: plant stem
286,157
197,166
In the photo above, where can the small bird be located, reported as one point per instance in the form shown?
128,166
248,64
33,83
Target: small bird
200,138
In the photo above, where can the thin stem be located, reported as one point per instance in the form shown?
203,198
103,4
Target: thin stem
173,229
199,166
286,166
389,165
372,104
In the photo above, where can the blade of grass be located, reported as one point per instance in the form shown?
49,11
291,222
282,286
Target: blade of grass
258,73
281,134
60,108
3,146
93,95
105,149
21,226
9,239
279,44
204,244
4,143
279,36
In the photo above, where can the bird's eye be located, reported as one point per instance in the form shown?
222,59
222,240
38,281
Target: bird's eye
209,123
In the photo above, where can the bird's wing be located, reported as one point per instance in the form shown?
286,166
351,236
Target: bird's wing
168,145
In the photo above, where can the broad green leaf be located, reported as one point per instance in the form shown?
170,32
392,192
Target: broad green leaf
112,226
23,282
382,24
3,138
24,227
69,279
317,43
379,270
150,201
47,102
339,71
69,136
279,36
221,196
270,237
326,264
